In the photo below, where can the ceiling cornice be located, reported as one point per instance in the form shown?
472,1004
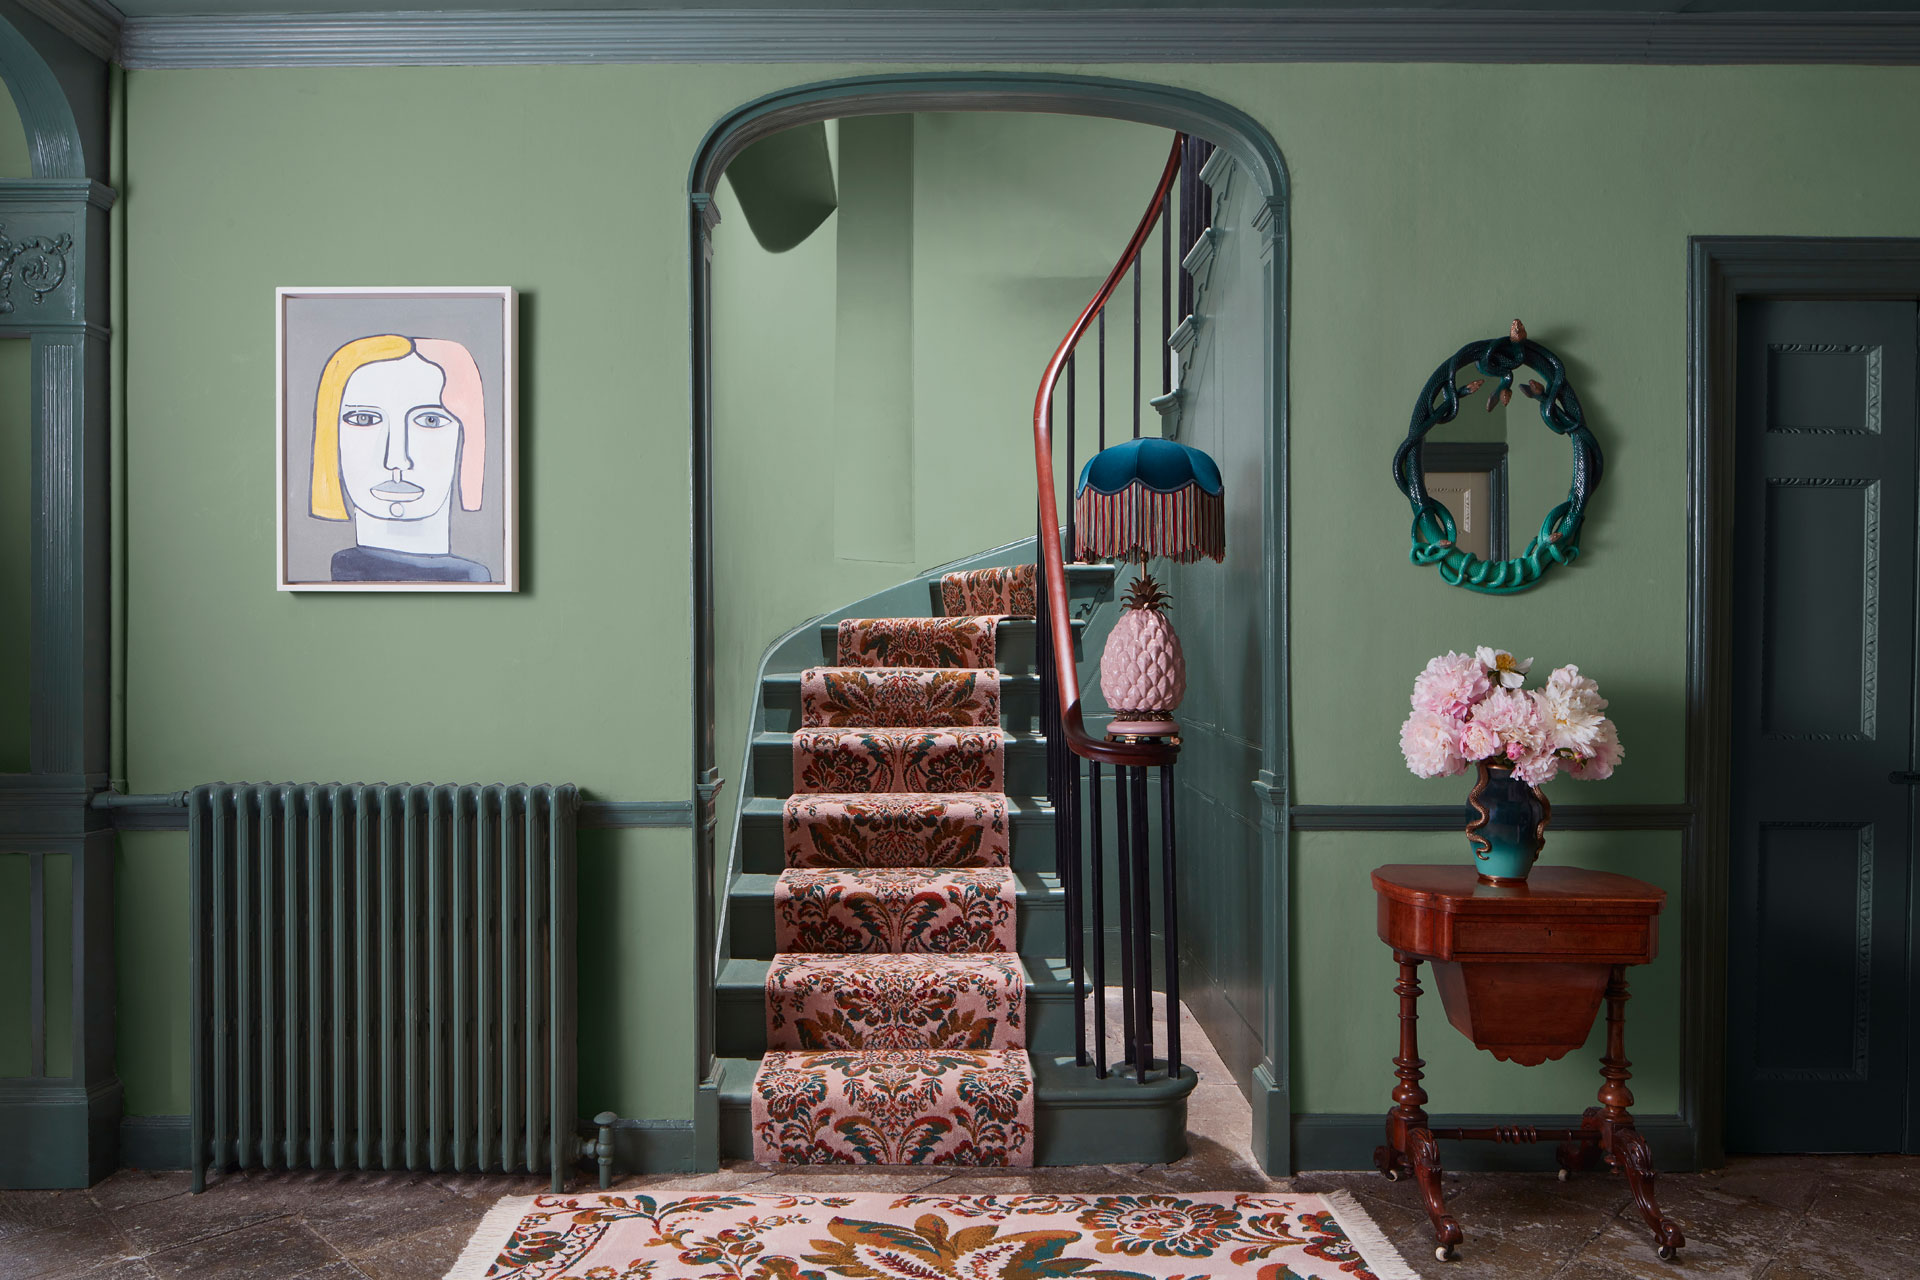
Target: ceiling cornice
94,25
1080,36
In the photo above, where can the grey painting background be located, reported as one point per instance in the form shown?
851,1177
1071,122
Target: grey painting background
317,325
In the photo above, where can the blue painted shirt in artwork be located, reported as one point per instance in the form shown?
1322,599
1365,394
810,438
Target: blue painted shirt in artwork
376,564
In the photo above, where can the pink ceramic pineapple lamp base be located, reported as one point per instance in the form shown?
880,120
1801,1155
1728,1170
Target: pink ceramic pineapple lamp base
1143,673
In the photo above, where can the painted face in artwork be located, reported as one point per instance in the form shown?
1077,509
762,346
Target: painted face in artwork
399,445
399,432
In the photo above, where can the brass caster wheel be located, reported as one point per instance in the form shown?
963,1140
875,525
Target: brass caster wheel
1393,1175
1565,1175
1667,1253
1445,1253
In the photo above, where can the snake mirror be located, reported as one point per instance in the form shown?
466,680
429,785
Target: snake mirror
1458,485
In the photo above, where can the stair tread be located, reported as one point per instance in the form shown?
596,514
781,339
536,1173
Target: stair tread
1058,1080
1027,884
773,808
1046,977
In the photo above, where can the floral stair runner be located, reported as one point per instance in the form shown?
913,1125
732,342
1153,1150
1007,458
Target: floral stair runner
896,1007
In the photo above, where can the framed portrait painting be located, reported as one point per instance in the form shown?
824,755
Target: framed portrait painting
396,449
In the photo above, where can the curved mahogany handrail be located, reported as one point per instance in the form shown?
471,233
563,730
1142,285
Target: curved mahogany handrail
1053,564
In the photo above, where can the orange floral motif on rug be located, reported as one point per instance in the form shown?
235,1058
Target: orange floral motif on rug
720,1236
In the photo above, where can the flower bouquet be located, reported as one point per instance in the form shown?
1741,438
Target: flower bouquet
1473,708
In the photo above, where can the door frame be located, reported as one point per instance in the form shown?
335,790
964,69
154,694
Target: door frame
1723,271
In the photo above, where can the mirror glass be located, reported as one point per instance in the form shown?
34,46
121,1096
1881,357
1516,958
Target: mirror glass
1499,470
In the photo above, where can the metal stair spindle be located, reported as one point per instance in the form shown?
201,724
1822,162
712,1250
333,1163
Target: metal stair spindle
1062,717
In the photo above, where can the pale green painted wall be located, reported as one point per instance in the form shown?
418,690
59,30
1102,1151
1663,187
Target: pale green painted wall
1014,221
569,183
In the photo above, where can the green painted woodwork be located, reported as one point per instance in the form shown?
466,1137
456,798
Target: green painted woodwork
16,506
243,180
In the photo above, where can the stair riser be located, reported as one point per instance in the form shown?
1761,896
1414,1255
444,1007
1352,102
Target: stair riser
763,844
1063,1135
740,1022
1014,645
1019,707
773,769
1040,923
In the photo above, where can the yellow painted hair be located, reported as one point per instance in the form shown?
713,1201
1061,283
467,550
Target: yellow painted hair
328,500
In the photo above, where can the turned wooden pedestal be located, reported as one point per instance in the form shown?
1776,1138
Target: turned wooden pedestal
1521,970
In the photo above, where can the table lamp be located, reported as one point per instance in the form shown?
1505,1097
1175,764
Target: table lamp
1147,499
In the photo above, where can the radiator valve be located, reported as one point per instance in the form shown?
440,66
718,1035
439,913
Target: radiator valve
601,1147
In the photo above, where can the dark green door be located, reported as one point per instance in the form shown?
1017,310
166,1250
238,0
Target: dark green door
1820,975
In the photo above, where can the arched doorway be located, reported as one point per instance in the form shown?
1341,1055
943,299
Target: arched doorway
1253,149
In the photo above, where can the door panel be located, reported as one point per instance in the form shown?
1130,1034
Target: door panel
1821,860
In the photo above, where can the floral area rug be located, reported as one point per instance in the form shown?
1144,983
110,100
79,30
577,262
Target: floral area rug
711,1236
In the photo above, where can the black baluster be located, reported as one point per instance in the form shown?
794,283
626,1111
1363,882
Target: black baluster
1123,866
1136,347
1103,377
1097,898
1073,542
1076,923
1170,905
1142,928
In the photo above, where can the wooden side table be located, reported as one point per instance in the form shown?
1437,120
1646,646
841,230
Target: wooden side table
1522,971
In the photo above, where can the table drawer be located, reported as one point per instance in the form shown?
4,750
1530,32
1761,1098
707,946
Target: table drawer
1572,936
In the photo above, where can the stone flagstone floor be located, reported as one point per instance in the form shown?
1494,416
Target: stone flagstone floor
1777,1218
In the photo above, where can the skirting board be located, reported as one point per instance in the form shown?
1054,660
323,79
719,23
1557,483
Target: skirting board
1347,1142
640,1146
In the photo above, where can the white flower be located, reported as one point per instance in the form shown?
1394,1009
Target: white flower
1431,743
1511,672
1571,705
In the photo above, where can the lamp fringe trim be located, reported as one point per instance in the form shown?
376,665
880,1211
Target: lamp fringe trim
1138,523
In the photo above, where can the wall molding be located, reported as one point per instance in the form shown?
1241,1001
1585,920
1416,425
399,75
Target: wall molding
1057,36
1347,1141
1447,817
94,25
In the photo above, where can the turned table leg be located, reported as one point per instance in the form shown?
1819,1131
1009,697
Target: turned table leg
1410,1146
1626,1148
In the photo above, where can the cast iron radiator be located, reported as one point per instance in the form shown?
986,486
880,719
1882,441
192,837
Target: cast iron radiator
383,977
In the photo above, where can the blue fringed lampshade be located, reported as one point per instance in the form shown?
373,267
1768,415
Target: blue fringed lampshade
1150,499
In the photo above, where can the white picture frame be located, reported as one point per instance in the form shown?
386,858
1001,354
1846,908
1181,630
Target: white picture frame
379,484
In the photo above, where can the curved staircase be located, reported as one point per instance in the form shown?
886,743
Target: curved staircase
896,989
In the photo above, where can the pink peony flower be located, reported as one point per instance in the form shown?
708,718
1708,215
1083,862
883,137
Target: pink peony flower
1479,740
1515,716
1606,755
1430,742
1451,684
1536,767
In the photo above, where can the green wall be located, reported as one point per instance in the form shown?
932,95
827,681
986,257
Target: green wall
568,182
874,385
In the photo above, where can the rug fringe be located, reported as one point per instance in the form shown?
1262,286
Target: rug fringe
489,1238
1375,1249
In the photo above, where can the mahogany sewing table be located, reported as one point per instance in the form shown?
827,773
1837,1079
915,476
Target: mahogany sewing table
1521,970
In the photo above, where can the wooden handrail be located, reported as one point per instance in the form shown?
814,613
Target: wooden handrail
1053,563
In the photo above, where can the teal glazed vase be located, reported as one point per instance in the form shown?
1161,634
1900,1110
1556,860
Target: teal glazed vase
1506,824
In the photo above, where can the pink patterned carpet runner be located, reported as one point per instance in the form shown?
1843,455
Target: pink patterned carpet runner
896,1005
869,1236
